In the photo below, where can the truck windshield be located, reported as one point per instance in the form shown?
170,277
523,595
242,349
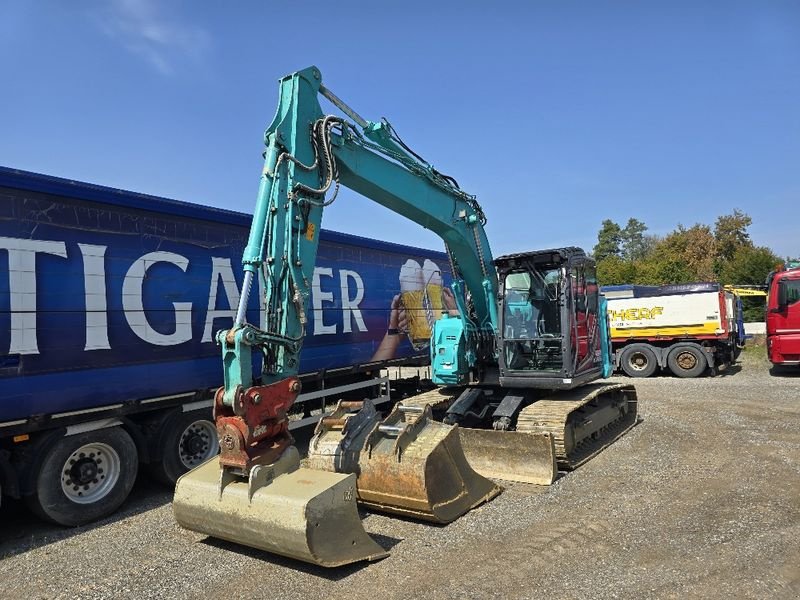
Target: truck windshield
792,290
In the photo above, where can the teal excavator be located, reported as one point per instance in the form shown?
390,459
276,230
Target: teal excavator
515,399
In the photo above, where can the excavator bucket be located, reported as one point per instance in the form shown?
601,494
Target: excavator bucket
407,464
284,509
510,455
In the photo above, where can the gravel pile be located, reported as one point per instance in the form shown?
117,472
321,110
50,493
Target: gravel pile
701,499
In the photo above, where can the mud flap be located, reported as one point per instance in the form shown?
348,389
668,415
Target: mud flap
284,509
408,464
510,455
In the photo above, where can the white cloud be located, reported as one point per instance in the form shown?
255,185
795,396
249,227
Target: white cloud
142,27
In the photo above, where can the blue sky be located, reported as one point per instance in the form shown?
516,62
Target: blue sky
556,114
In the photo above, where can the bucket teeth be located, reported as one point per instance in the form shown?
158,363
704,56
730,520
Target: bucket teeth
407,464
288,510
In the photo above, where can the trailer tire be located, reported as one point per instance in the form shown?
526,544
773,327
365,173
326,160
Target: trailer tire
638,360
85,477
687,361
185,440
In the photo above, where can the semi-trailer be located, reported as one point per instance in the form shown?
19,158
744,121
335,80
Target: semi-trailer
688,329
109,302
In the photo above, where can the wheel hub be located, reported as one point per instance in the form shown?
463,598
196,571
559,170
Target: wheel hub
90,473
197,443
638,361
686,360
84,471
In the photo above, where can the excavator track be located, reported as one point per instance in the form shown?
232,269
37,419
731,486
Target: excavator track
582,421
438,399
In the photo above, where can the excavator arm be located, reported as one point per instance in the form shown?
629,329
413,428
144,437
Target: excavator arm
258,494
308,156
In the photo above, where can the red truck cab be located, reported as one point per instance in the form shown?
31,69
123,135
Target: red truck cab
783,315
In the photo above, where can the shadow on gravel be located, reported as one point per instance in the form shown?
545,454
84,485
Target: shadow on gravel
731,370
785,371
21,530
329,574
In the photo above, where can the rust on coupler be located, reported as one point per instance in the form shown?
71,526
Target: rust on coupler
255,430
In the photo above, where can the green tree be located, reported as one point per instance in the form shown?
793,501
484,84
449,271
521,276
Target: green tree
685,255
634,242
614,270
609,239
730,232
750,265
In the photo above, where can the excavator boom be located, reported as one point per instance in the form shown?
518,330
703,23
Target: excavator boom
256,493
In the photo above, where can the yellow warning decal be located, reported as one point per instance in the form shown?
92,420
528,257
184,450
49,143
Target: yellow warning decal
310,232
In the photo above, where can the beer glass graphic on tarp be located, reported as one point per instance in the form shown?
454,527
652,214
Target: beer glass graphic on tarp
421,294
432,300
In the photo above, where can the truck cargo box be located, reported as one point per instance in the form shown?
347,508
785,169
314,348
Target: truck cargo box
689,329
668,315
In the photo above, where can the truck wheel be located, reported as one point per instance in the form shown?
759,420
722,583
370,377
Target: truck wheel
85,477
638,360
186,440
687,361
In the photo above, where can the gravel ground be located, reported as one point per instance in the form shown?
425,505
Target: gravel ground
701,499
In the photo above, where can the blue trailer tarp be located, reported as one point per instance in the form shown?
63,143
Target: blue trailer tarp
109,296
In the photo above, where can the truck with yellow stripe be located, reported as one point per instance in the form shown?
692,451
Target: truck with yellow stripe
687,329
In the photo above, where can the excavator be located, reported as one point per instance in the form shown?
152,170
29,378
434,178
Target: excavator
517,396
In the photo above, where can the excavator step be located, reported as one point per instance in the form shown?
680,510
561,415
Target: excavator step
284,509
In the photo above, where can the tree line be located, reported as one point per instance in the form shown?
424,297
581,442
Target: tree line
724,253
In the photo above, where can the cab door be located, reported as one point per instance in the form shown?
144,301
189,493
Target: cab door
579,330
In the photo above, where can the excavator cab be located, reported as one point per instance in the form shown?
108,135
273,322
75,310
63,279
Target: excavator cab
533,413
549,334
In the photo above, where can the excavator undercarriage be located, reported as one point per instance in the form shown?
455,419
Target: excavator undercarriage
558,431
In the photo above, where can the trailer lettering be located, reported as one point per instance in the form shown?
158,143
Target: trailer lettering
333,294
635,314
317,298
94,285
132,290
221,271
22,287
350,310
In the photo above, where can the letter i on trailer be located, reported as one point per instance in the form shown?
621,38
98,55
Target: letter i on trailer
109,302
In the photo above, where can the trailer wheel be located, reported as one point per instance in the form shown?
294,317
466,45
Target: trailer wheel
638,360
185,441
85,477
687,361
